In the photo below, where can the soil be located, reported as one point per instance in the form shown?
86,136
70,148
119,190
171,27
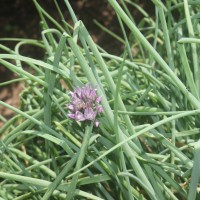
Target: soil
19,19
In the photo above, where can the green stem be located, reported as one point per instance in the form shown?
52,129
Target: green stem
154,53
193,46
52,187
108,112
180,155
195,173
82,154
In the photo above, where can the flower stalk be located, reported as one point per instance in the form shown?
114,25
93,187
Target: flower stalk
82,154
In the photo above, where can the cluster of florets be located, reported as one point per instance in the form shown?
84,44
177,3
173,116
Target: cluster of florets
85,104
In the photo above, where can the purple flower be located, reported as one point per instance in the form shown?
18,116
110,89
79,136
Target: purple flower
85,104
89,114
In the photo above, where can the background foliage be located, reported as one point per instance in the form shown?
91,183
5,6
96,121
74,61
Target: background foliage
147,144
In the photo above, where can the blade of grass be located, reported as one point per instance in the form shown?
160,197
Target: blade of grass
107,109
154,53
150,127
195,173
59,178
80,159
193,46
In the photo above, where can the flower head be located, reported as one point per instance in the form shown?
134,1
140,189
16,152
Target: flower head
85,104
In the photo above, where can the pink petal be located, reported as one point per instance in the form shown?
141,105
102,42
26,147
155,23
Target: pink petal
71,107
72,116
92,95
79,116
89,114
98,99
99,109
96,123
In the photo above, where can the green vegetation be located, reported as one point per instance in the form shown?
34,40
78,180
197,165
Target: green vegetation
147,144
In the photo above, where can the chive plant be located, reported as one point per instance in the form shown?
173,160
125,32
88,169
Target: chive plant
92,125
